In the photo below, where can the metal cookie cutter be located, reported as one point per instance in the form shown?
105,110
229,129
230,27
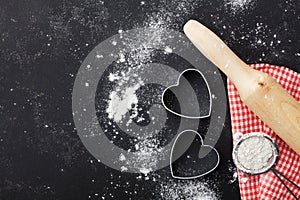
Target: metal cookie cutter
214,156
190,109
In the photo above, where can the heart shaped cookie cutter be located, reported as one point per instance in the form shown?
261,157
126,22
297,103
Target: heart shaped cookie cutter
177,84
202,144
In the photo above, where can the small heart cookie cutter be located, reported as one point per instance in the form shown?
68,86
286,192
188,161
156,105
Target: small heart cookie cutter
177,84
192,177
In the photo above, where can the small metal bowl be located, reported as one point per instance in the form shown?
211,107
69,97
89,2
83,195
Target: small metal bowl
265,168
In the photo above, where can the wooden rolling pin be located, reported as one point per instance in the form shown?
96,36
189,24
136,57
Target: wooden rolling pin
259,91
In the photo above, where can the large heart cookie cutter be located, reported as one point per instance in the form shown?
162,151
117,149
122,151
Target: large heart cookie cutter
178,84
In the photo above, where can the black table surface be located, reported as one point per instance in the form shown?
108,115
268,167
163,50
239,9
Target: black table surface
42,45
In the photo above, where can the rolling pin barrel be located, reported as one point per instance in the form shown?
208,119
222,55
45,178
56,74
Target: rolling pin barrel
259,91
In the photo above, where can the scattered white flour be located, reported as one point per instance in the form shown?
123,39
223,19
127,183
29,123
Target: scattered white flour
145,157
255,153
239,5
234,177
123,97
121,102
122,157
113,77
187,189
244,179
127,81
168,49
123,169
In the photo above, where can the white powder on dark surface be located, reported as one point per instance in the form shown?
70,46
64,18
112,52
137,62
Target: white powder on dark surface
120,104
239,5
255,153
187,189
123,99
145,158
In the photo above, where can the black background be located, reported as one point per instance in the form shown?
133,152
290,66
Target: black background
42,45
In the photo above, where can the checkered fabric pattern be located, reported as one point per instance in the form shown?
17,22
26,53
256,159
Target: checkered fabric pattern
266,186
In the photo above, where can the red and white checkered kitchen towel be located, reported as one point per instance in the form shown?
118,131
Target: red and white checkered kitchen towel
266,186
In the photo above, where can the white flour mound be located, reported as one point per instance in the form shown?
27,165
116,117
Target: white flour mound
255,153
120,104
